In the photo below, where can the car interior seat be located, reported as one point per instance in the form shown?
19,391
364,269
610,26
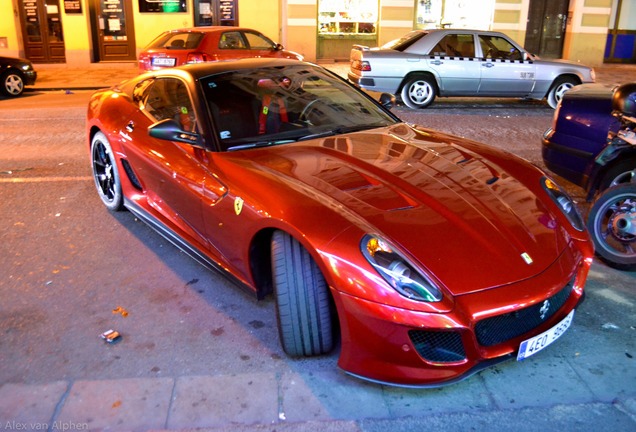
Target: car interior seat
177,43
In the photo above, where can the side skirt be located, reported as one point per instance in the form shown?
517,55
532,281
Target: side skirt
184,246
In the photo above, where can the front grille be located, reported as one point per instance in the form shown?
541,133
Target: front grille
501,328
441,347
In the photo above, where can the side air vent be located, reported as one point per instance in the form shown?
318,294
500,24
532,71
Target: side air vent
131,175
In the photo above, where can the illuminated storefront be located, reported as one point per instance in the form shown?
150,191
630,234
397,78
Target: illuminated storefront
343,23
467,14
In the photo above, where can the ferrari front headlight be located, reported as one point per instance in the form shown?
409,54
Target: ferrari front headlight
564,202
398,271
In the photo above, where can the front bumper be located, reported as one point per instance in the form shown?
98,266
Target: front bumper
417,349
29,77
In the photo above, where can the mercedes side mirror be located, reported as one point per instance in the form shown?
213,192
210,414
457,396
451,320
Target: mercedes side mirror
387,100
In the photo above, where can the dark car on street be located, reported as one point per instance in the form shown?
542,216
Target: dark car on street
15,73
579,133
592,143
428,256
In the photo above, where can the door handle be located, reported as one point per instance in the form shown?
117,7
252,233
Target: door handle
437,62
130,126
488,65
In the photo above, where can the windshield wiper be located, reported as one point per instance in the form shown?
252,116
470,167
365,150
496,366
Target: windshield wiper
258,144
339,130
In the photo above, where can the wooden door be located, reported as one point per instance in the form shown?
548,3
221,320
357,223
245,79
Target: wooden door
113,30
42,31
545,32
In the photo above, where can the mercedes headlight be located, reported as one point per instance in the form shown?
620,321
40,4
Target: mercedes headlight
564,202
398,271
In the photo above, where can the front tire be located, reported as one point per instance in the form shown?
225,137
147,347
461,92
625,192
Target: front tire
302,299
612,224
12,83
418,92
105,173
560,86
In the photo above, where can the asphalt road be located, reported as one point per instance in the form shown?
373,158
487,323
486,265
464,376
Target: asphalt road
70,270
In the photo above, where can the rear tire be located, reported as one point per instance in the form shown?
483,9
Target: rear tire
418,92
302,299
560,86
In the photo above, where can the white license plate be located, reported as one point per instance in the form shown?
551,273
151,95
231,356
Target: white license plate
163,61
534,345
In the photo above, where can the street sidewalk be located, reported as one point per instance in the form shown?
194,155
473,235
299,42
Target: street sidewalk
99,75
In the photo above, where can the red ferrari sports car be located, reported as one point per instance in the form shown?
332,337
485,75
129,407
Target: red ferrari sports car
202,44
429,256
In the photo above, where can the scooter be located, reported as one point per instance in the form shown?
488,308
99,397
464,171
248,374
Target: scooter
612,217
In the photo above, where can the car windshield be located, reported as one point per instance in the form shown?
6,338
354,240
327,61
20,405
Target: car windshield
405,41
177,40
268,106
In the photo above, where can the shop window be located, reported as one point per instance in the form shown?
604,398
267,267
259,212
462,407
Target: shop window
428,14
348,17
465,14
167,6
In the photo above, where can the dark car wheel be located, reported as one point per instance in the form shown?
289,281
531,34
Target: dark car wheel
418,92
560,86
612,225
12,83
620,173
106,173
302,299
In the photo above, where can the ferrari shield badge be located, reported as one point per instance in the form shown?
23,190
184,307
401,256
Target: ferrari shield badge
527,258
238,205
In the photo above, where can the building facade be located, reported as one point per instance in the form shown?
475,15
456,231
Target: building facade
82,32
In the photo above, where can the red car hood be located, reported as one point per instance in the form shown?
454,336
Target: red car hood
461,216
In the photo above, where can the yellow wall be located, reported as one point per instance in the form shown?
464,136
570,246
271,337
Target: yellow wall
587,49
77,38
395,20
9,28
263,16
149,25
302,27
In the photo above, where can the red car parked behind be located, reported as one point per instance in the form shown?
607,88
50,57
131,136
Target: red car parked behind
202,44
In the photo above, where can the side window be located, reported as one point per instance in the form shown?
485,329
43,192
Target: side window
140,92
455,45
495,47
232,40
168,98
258,41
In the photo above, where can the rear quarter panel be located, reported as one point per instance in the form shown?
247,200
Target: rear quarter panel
388,68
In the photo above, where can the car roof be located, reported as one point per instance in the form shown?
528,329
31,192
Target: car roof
453,30
210,29
202,70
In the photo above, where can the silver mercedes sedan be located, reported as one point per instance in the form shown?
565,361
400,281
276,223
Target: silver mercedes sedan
424,64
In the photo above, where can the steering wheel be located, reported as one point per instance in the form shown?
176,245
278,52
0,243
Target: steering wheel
309,108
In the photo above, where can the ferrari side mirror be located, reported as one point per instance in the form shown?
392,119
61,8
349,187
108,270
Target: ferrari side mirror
170,130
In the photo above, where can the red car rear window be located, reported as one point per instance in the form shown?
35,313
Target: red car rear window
178,40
